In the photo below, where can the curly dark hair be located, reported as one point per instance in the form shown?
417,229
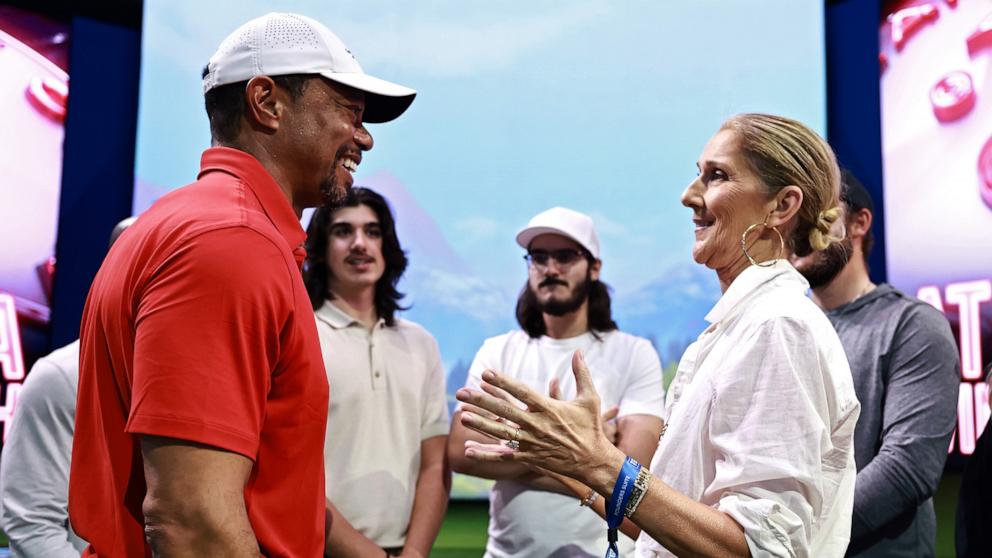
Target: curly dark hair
315,273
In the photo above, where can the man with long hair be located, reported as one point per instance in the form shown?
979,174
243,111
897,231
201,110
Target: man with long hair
905,367
563,307
386,480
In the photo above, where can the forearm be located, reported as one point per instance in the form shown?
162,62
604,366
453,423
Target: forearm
682,525
429,506
184,534
344,541
889,487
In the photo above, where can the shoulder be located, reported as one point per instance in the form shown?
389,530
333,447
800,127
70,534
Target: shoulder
494,349
624,341
414,332
237,253
53,377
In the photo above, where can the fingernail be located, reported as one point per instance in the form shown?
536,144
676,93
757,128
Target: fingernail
462,393
466,416
488,375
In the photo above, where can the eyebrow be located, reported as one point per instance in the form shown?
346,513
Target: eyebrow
350,224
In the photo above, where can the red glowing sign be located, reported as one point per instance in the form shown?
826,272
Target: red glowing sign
11,359
973,397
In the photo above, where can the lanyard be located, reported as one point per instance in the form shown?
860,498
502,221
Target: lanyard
618,502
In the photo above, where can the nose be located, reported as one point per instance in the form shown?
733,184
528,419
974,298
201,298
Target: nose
359,241
363,138
552,268
692,194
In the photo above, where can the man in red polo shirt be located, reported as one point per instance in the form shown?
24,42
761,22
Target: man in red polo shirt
202,395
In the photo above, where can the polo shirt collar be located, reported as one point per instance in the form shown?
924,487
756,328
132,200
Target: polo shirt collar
249,170
753,279
337,318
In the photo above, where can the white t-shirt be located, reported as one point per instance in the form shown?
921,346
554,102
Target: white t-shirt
761,418
627,372
387,396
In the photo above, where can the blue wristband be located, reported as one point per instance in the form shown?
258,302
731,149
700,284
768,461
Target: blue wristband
618,502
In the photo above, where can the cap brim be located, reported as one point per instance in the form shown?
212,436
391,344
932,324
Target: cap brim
384,100
525,236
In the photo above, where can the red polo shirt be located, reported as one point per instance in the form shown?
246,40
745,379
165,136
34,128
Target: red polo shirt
198,327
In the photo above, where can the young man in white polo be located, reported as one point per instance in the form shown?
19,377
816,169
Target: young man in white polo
386,479
563,307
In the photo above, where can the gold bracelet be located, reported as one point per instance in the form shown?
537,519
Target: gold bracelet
640,489
589,499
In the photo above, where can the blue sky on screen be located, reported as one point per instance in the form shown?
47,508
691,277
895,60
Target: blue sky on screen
601,107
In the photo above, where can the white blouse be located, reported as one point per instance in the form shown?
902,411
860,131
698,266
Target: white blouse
761,418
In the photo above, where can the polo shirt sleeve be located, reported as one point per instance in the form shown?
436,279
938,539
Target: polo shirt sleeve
771,445
434,421
208,328
645,390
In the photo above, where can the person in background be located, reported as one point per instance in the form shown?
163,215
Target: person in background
202,395
757,458
973,524
906,372
34,467
563,307
386,475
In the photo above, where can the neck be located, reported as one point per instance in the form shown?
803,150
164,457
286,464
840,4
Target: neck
357,303
851,283
727,274
270,162
568,325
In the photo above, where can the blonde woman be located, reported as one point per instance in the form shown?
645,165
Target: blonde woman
757,457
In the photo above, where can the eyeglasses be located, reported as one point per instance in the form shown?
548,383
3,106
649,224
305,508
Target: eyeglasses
564,257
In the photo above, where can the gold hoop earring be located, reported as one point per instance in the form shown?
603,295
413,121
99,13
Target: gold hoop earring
778,255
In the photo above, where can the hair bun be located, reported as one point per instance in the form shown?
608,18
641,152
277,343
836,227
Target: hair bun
819,235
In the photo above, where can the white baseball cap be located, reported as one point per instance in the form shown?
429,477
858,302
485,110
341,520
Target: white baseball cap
566,222
278,44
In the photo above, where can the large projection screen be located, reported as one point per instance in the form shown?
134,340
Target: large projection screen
601,107
937,157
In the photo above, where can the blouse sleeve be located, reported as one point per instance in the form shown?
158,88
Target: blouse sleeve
773,434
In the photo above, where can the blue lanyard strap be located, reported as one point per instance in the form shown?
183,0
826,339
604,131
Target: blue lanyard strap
618,502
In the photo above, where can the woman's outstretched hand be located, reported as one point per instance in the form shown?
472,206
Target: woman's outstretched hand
565,437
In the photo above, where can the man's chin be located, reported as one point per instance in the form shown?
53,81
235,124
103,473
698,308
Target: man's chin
334,194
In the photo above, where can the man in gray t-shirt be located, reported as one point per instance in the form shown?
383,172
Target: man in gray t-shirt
905,366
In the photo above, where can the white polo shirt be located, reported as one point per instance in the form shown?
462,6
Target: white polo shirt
387,396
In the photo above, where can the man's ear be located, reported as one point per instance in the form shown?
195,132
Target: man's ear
859,224
266,103
594,268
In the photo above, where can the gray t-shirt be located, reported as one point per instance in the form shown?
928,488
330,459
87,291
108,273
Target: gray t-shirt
906,373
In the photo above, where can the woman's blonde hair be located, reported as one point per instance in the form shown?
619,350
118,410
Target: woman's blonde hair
784,152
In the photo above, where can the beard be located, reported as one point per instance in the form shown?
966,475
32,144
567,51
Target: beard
332,192
556,307
821,269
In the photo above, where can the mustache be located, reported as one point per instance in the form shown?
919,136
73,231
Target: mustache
551,281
